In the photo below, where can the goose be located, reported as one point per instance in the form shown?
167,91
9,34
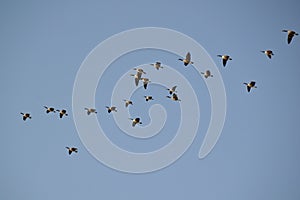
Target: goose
49,109
172,90
145,81
127,102
187,59
269,53
62,113
225,58
135,121
207,74
157,65
290,35
148,98
139,72
110,109
72,149
250,85
136,79
25,116
174,97
90,110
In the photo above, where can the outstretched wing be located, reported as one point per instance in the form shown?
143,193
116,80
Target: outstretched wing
188,57
248,88
252,83
224,62
136,80
290,37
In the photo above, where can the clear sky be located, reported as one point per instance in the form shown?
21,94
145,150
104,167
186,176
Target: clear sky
43,45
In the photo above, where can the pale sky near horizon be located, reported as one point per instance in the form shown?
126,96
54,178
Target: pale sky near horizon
43,45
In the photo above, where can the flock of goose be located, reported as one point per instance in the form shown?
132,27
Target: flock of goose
172,91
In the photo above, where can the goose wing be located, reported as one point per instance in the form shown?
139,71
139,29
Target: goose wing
188,57
248,88
224,62
290,37
252,84
136,81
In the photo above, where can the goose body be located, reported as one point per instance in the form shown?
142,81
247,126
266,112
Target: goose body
62,113
157,65
25,116
174,97
290,35
90,110
145,82
49,109
207,74
139,72
187,60
250,85
127,102
110,109
225,58
172,90
148,98
135,121
136,79
268,53
71,150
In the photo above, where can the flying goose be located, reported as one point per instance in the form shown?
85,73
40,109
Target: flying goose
25,116
148,98
187,59
139,72
250,85
62,113
145,81
290,35
269,53
172,90
127,102
90,110
225,58
49,109
72,149
110,109
157,65
174,97
207,74
135,121
136,79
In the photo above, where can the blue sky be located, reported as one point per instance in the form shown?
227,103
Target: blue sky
42,47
